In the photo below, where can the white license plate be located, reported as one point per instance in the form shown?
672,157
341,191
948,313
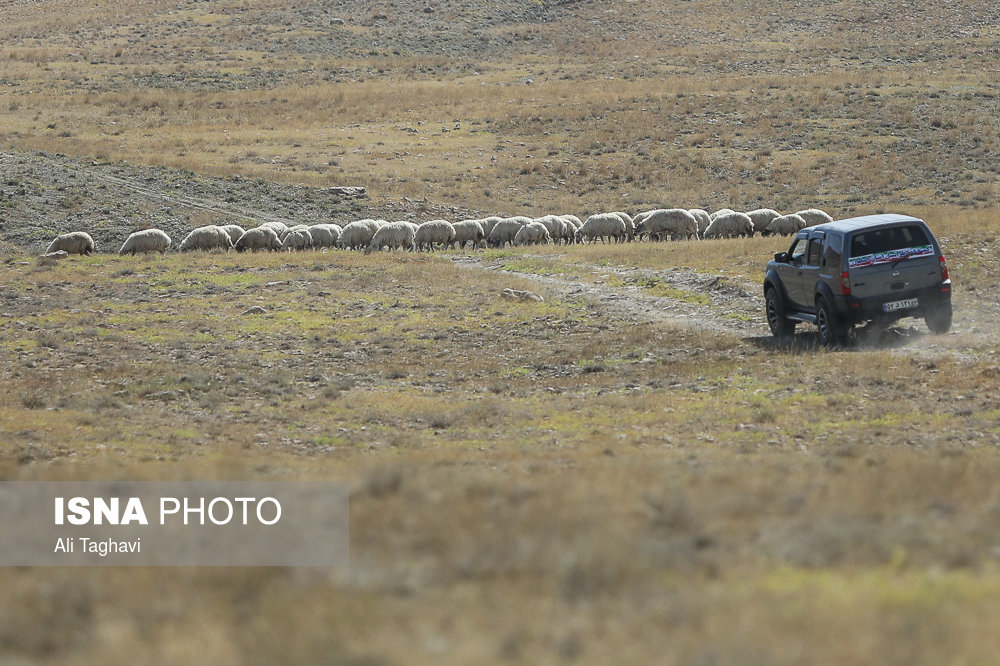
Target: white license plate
892,306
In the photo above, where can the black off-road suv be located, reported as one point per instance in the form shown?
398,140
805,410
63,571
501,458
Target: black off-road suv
876,268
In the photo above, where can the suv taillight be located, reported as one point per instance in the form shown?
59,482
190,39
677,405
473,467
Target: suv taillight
845,284
944,269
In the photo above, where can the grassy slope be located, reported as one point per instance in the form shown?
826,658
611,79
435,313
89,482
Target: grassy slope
531,482
629,104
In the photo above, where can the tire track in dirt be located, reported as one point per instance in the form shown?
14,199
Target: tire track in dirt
732,309
193,202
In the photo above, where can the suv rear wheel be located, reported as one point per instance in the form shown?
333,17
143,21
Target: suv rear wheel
939,320
832,330
781,326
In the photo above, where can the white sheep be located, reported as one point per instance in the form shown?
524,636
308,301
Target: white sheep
572,224
357,235
606,226
728,225
298,227
209,237
639,217
488,223
279,227
720,212
325,235
147,240
469,230
814,216
703,218
566,234
553,224
75,242
263,237
761,217
534,233
677,222
435,231
629,224
395,236
504,231
297,239
785,225
234,231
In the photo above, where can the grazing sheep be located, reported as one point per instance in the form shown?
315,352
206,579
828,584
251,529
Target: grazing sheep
412,225
703,218
488,223
677,222
75,242
263,237
728,225
572,224
567,233
298,227
209,237
606,226
279,227
785,225
762,216
639,217
629,224
532,234
357,235
435,231
325,235
638,220
297,239
553,224
814,216
147,240
504,231
720,212
234,231
469,230
395,236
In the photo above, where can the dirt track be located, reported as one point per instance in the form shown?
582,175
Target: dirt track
732,310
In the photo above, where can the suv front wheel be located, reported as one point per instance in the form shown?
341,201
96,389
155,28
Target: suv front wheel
833,330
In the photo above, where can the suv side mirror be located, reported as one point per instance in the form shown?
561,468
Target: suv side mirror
781,257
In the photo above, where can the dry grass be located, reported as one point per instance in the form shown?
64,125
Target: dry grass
843,121
530,481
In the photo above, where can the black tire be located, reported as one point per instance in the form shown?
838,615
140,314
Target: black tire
938,320
833,331
774,306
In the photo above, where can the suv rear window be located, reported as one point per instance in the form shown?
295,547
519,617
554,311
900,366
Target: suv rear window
889,244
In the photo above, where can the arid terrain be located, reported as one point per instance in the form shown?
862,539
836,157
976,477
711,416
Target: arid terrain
631,470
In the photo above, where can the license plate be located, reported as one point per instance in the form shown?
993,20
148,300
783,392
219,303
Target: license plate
892,306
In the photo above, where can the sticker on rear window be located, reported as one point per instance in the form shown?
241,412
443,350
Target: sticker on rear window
891,256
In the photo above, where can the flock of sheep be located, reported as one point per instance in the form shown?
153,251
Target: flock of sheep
375,235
